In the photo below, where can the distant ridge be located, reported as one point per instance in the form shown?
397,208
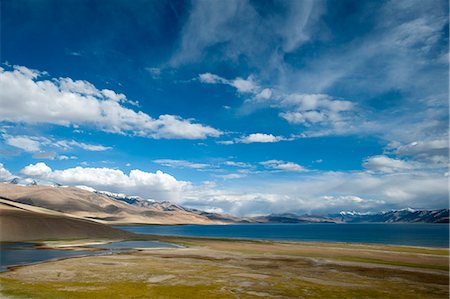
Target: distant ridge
396,216
405,216
103,207
116,208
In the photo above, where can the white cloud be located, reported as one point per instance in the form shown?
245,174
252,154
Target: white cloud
231,176
385,164
213,210
174,127
256,138
180,163
259,138
52,156
225,142
283,166
68,144
310,192
64,157
439,146
320,113
34,144
212,79
329,115
237,164
155,185
38,170
264,94
63,101
25,143
154,71
236,29
5,175
245,85
242,85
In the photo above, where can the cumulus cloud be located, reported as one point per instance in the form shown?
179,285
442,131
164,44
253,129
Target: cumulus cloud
385,164
310,109
62,101
5,175
38,170
321,111
259,138
255,138
283,166
158,185
274,200
429,150
310,192
180,163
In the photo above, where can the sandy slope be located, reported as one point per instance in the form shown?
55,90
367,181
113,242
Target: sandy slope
98,207
20,222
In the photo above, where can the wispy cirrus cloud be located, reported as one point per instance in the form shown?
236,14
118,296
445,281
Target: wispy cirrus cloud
237,28
282,165
255,138
180,163
34,144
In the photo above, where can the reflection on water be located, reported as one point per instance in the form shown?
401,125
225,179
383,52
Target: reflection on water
14,254
21,253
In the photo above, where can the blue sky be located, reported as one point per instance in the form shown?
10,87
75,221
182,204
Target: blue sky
243,107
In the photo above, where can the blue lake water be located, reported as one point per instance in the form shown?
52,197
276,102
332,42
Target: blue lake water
136,244
14,254
430,235
22,253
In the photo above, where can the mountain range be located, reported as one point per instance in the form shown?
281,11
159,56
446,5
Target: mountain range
25,206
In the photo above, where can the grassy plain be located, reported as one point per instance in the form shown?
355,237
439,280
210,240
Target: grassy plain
220,268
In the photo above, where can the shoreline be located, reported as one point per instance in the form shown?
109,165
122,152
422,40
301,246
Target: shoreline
84,245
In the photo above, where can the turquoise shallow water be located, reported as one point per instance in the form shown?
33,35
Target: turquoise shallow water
430,235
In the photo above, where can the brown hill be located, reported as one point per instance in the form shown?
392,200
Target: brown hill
21,222
102,208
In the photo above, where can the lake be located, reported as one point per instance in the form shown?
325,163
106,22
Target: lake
18,253
24,253
430,235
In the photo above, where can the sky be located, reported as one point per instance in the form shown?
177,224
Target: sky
240,107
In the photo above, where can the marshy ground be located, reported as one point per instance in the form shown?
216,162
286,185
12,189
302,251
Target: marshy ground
219,268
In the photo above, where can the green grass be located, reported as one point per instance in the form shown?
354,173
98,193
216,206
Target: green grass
127,289
392,263
235,269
